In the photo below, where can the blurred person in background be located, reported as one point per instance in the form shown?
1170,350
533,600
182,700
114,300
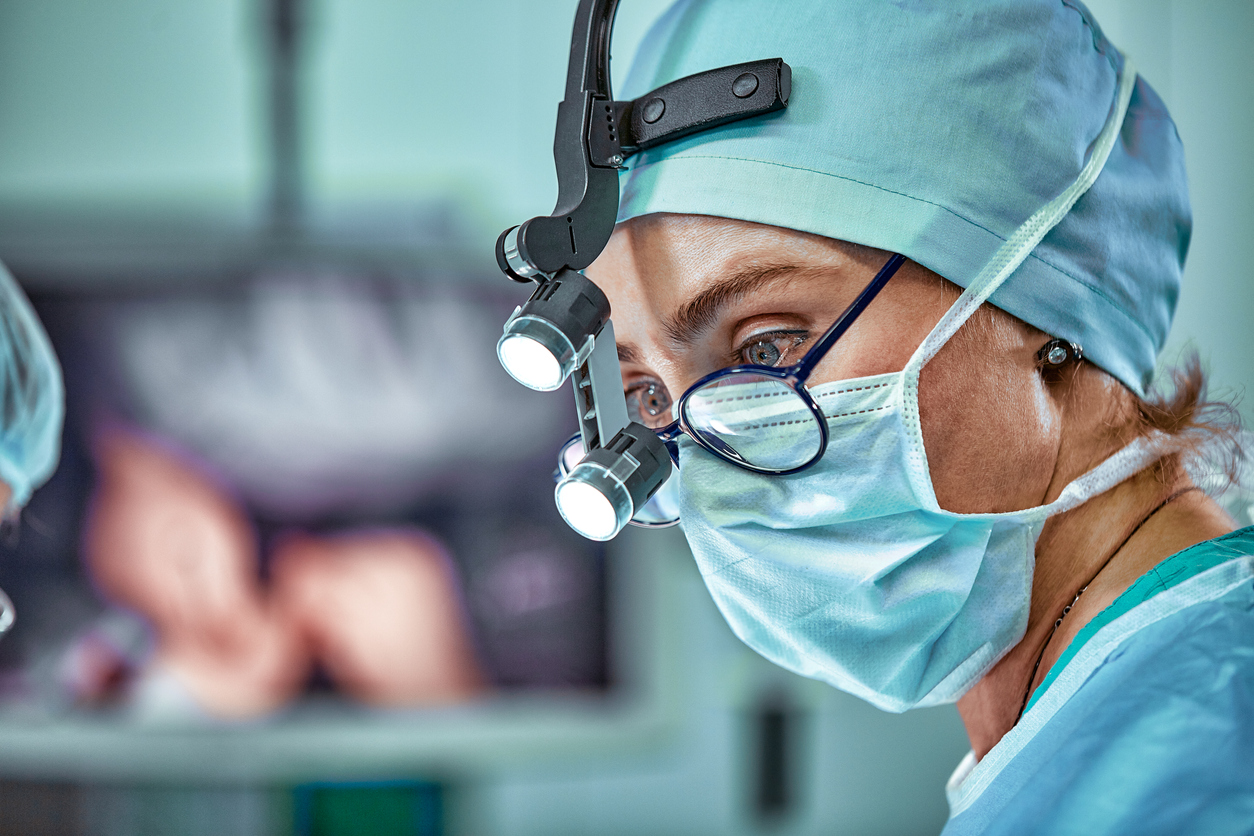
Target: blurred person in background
32,409
359,599
166,542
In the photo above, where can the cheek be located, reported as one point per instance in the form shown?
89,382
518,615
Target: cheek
885,336
990,429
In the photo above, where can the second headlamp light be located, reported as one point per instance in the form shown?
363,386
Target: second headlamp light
553,333
563,331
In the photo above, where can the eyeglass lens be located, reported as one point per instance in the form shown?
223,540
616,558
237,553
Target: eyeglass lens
755,419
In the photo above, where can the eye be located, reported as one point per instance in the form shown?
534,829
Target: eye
649,403
770,349
761,353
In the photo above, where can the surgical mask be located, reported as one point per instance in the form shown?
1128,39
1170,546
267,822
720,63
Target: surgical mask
850,571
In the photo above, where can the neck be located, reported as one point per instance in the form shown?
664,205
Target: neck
1106,544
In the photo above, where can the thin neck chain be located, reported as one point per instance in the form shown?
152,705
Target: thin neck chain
1058,623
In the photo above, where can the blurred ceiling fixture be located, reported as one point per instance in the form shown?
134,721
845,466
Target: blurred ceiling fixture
286,29
75,244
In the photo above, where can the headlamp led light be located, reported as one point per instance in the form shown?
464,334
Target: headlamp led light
662,509
603,492
552,334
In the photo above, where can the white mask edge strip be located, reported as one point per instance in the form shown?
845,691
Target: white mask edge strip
1127,462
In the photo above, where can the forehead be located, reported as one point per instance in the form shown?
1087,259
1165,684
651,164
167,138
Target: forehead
664,259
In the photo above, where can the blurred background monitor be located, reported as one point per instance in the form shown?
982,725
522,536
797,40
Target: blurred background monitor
299,570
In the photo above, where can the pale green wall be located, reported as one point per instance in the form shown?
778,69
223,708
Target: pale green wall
405,101
456,98
1196,53
126,99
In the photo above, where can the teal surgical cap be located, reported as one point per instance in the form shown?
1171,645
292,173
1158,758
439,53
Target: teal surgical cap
32,398
935,129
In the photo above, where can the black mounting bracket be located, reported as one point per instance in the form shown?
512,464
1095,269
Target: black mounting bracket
595,136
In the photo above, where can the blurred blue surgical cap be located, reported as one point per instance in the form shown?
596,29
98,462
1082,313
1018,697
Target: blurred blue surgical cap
32,398
934,129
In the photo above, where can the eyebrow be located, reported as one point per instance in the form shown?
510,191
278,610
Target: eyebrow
701,312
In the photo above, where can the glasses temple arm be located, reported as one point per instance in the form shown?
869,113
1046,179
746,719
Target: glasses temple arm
846,319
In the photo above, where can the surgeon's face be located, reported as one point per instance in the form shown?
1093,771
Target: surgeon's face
693,294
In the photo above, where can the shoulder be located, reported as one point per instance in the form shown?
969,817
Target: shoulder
1186,620
1158,734
1187,637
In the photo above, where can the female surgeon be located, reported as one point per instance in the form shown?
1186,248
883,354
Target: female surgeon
1002,515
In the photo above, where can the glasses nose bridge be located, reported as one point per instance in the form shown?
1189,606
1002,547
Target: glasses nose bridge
672,447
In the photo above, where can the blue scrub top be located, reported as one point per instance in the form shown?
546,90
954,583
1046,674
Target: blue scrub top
1146,723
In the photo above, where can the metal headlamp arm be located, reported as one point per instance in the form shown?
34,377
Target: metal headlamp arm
564,331
595,134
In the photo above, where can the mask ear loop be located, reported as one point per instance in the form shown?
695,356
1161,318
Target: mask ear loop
1004,262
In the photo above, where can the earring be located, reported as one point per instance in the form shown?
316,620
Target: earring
1057,353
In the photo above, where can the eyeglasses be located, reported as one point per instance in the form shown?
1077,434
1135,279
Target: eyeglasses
762,418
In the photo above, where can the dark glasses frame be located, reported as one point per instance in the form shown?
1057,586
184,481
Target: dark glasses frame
794,376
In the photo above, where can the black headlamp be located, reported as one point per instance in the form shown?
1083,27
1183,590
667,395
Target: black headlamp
564,329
